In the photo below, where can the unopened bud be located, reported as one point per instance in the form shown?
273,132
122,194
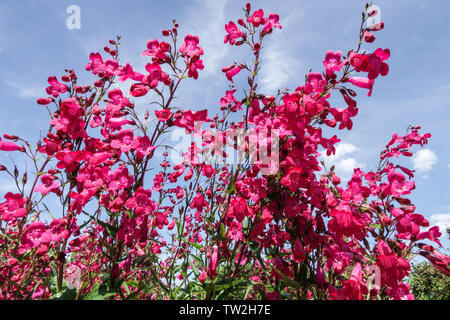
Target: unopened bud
376,27
373,13
10,137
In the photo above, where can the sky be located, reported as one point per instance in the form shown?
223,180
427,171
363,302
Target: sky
35,42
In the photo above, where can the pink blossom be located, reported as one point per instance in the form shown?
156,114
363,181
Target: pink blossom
55,87
231,71
271,22
361,82
375,64
257,18
49,184
163,115
13,207
234,33
190,47
9,146
333,62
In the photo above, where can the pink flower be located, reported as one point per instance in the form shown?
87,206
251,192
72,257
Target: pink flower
392,267
235,231
369,37
344,116
13,207
298,251
355,288
190,47
156,49
49,184
239,209
198,202
214,260
271,22
96,63
315,83
139,89
333,62
9,146
375,64
189,118
163,115
361,82
35,236
231,71
155,74
44,101
203,276
55,87
359,61
233,33
292,179
144,148
58,230
257,18
141,202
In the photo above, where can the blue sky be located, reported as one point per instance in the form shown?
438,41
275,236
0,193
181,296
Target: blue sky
35,43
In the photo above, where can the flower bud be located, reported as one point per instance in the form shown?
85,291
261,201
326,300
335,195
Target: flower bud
10,137
376,27
372,13
44,101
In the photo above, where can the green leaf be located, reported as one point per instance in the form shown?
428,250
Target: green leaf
291,282
100,292
196,245
111,230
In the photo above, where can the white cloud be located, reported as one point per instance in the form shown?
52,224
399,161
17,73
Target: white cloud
424,160
343,162
24,90
343,149
278,67
211,14
442,220
280,60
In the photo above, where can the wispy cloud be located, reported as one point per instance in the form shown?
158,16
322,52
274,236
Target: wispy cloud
424,160
442,220
24,89
211,13
344,160
280,57
278,68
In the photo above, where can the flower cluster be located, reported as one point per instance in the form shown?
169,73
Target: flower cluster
132,223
